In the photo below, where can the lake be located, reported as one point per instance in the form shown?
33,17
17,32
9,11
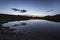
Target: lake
37,28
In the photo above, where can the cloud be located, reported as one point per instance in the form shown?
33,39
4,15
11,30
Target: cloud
21,11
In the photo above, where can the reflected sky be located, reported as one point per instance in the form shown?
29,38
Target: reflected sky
33,24
35,7
38,28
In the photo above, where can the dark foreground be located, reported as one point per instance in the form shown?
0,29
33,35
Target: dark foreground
8,34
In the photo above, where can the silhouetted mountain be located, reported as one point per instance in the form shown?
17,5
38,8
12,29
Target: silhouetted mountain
7,17
55,18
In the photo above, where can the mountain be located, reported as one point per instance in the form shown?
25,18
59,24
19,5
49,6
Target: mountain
9,17
55,18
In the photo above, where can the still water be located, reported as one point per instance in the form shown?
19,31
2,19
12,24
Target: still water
36,27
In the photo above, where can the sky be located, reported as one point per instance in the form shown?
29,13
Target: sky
33,7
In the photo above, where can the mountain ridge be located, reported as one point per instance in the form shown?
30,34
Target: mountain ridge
8,17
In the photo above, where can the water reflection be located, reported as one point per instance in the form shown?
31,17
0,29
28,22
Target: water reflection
36,27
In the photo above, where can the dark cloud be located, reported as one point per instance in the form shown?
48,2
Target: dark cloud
15,9
22,11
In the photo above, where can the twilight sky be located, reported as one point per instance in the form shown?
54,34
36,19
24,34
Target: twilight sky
34,7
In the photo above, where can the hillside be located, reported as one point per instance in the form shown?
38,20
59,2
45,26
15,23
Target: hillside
7,17
55,18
